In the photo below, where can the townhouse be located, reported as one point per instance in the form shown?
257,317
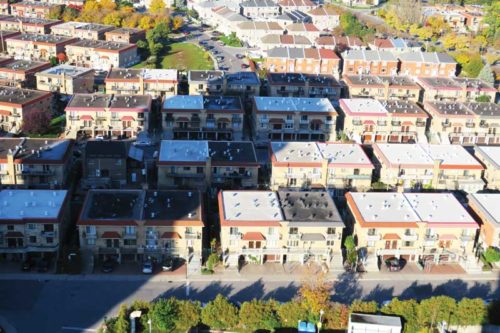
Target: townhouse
4,35
274,40
131,81
303,85
416,166
205,82
107,115
395,45
75,3
485,207
137,225
428,229
202,117
339,43
16,103
302,60
37,47
382,87
31,9
490,158
252,32
441,89
265,226
206,164
66,80
125,35
101,55
464,123
244,84
365,3
293,119
302,5
91,31
30,25
32,222
336,167
225,20
34,163
289,17
105,164
308,30
325,18
259,9
369,120
21,73
427,64
373,62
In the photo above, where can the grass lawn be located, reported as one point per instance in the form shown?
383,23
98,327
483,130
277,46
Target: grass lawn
56,127
186,56
231,40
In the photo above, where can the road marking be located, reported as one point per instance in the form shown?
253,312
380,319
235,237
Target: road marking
81,329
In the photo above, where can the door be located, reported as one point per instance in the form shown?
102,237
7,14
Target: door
394,244
257,244
387,245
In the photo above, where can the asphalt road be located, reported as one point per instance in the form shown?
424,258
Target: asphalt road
79,306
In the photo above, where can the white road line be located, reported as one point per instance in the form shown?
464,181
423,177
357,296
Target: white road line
81,329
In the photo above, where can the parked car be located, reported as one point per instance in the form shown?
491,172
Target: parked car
28,264
168,264
108,266
147,267
99,137
394,264
43,265
243,66
240,56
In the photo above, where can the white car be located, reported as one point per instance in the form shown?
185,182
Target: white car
99,138
147,267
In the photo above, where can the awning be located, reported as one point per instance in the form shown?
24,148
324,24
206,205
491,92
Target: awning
368,122
110,234
447,237
316,121
171,235
391,236
86,117
127,118
5,113
14,234
253,236
276,121
312,237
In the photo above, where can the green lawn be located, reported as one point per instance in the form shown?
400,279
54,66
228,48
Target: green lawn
230,40
186,56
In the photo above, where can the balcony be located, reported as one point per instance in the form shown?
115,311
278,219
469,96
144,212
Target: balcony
373,237
293,236
429,240
235,236
233,175
129,235
28,172
420,123
446,124
409,237
466,238
357,122
74,117
49,234
192,235
185,175
470,125
483,124
396,123
275,236
381,123
333,236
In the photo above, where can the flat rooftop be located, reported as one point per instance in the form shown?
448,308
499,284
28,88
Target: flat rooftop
452,155
90,101
251,206
450,108
243,78
175,205
484,110
131,102
28,20
125,31
24,65
439,208
106,149
113,205
222,103
183,151
160,74
70,25
474,84
404,108
125,73
183,102
50,39
301,79
20,96
293,104
439,83
102,45
232,152
490,153
296,152
213,77
344,153
363,106
67,70
378,81
95,27
31,204
384,207
488,204
375,319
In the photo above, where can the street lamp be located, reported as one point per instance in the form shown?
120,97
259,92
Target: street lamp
321,313
149,323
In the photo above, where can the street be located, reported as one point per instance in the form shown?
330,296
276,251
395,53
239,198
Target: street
79,305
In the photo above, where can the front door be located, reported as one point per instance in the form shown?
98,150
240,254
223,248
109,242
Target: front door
387,245
394,244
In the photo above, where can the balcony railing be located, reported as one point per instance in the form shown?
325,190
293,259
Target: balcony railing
395,123
446,124
381,123
409,237
192,235
373,237
420,123
466,238
357,122
470,125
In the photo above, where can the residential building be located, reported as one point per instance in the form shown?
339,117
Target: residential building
308,30
66,79
131,81
485,207
262,9
125,35
335,166
293,119
267,226
205,82
28,25
369,120
490,158
16,103
364,322
427,228
107,115
224,19
303,85
464,123
302,60
34,163
82,30
382,87
302,5
244,84
4,7
21,73
252,32
416,166
395,45
31,9
75,3
372,62
98,54
105,164
6,34
442,89
136,225
274,40
339,43
203,117
325,18
37,47
427,64
292,16
364,3
32,222
206,164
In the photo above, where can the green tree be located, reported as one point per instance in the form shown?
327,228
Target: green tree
121,325
491,255
55,13
470,312
291,312
114,18
352,26
164,313
212,261
257,314
70,14
405,309
483,99
145,308
351,253
474,66
188,315
492,20
433,310
486,74
220,314
364,307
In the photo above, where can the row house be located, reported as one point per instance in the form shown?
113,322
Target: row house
33,222
372,62
34,163
244,84
67,3
334,166
205,82
101,55
308,30
369,120
266,226
485,207
66,80
442,89
290,17
293,119
364,3
31,9
301,5
303,85
21,73
325,18
271,41
125,35
37,47
427,64
464,123
82,30
395,45
259,9
429,166
28,25
4,35
302,60
429,229
107,115
207,164
225,20
339,43
203,117
252,32
153,82
382,87
16,103
490,158
136,225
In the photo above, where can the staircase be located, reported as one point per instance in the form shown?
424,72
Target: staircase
193,264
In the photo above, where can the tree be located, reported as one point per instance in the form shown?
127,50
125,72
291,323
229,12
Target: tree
364,307
351,253
470,312
188,315
491,255
121,325
483,99
146,23
405,309
290,313
157,7
107,5
474,66
435,309
193,13
164,314
257,315
492,21
114,18
314,294
177,22
70,14
55,13
352,26
486,74
36,122
336,316
212,261
220,314
145,308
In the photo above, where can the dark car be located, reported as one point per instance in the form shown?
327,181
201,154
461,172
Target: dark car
240,56
108,266
43,265
243,66
394,264
168,264
28,264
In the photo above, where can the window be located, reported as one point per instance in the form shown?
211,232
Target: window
186,168
370,244
234,231
32,239
293,243
31,226
90,229
48,227
130,230
329,243
330,231
408,244
292,182
129,242
200,170
372,232
293,231
10,227
271,231
91,241
49,240
303,118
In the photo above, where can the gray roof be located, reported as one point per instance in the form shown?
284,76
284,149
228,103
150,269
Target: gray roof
369,55
258,3
427,57
374,319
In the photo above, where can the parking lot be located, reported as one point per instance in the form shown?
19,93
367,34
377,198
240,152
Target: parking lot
134,268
